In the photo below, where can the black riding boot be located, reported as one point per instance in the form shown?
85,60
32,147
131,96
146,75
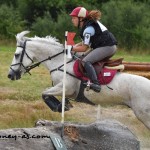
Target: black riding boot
93,76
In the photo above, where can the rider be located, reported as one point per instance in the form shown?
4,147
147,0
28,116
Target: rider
94,35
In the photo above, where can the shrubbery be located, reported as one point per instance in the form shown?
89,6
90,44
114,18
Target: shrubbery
10,22
127,20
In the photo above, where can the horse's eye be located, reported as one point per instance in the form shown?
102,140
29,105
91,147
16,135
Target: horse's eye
17,55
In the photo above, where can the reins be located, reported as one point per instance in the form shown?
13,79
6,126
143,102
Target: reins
59,69
37,64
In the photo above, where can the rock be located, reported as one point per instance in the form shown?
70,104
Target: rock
101,135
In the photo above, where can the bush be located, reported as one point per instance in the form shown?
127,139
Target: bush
63,24
129,21
43,26
47,26
10,22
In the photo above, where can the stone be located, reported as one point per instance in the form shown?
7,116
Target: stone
100,135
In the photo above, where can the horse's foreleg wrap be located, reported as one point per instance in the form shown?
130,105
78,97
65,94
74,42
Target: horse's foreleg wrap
53,103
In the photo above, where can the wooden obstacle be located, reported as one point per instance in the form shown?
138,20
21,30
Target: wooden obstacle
136,66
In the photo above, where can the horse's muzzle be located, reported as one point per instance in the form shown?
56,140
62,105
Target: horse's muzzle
14,75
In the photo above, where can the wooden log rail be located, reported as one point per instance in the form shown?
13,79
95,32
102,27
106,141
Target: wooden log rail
136,66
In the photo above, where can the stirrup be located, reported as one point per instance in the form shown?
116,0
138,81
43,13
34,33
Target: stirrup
88,84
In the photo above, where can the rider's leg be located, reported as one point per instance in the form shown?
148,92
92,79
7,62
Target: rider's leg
93,76
96,55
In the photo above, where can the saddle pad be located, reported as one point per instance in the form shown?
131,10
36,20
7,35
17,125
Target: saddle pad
104,77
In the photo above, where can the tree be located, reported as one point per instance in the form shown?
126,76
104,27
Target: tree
126,21
9,3
10,23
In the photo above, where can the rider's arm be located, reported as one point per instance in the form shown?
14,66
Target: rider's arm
85,45
80,48
78,44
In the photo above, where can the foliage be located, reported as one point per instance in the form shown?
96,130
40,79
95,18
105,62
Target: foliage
43,26
127,22
9,2
10,23
46,25
63,25
123,18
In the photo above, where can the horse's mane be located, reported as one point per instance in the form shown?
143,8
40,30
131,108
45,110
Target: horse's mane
48,39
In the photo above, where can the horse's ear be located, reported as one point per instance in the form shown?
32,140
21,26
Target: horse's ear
20,36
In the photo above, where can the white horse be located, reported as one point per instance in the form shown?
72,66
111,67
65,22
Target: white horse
132,90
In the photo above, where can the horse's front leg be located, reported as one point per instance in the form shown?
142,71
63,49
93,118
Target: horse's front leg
53,103
55,90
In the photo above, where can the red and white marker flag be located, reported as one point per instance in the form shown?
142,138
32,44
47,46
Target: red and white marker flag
70,37
68,43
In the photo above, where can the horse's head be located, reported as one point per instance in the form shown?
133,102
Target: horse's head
22,59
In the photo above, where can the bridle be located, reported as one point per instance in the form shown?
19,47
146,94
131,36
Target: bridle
28,68
23,46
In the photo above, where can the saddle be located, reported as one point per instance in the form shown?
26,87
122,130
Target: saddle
105,69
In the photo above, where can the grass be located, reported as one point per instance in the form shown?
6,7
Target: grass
21,104
133,56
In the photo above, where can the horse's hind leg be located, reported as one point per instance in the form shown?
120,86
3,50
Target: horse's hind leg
141,109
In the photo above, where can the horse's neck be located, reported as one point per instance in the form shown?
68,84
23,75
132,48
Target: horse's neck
54,62
45,51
